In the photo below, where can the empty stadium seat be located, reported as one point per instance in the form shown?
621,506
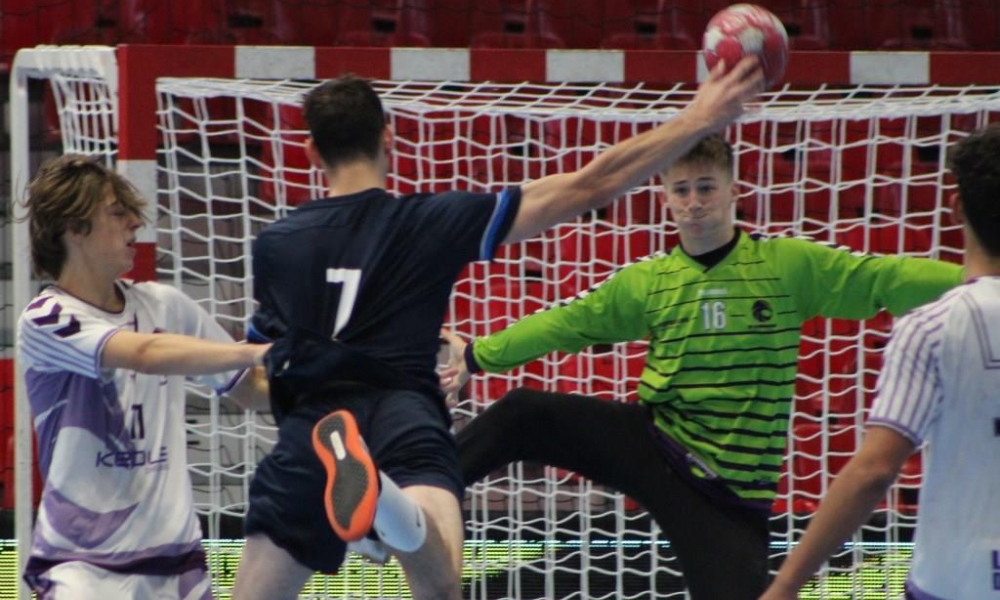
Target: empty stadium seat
259,22
912,188
794,503
588,255
491,296
513,24
435,149
917,24
577,24
814,462
286,173
652,24
807,22
163,22
881,236
847,25
982,24
602,373
27,23
384,23
952,244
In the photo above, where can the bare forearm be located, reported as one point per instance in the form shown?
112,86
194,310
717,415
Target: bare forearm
850,501
169,354
636,160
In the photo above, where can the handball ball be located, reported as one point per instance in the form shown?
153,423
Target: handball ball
744,29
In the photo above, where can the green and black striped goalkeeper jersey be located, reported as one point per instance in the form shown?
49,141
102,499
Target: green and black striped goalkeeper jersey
723,340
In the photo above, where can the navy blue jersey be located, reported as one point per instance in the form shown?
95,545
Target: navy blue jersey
373,271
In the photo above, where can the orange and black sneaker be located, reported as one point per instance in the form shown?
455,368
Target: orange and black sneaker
351,481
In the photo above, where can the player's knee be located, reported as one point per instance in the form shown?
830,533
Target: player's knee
520,404
525,410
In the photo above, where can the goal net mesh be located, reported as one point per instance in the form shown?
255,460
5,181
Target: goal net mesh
862,167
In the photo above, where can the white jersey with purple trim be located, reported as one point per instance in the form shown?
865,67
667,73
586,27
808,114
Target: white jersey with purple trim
112,447
941,384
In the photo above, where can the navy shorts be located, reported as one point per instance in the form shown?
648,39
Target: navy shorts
408,436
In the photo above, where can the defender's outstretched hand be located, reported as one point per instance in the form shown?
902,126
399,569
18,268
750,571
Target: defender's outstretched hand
453,377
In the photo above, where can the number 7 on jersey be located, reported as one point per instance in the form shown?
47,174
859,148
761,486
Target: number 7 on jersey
351,280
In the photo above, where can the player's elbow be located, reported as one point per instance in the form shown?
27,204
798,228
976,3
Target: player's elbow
876,473
143,361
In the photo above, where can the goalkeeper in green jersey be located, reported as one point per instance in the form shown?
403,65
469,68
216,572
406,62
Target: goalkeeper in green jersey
703,448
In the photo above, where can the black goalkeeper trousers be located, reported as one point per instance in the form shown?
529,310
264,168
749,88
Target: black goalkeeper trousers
723,551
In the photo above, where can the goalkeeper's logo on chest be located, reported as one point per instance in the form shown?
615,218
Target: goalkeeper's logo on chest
762,315
762,311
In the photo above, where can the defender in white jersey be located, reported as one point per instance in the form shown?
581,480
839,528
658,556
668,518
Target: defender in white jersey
940,386
104,361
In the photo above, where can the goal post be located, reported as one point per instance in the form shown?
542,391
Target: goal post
852,151
75,76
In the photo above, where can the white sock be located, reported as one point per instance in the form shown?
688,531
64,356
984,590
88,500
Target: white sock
399,521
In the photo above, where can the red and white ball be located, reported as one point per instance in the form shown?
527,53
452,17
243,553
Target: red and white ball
744,29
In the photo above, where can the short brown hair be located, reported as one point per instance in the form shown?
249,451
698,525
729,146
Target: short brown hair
712,150
64,196
975,162
345,119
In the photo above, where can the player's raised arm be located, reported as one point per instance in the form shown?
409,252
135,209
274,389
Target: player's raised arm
558,198
853,496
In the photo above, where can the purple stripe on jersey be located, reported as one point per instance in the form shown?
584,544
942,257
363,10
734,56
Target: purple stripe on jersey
45,350
50,319
72,400
231,383
911,350
166,560
990,361
921,352
915,593
192,579
43,587
931,412
73,327
84,527
39,302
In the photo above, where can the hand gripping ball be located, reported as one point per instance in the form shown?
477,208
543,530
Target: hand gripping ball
744,29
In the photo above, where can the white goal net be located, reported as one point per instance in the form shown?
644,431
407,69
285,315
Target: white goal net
862,166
